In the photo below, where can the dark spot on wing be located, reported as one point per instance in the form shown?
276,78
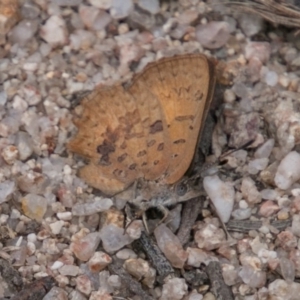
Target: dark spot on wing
184,118
132,167
104,160
123,146
198,95
180,141
151,143
105,149
177,91
155,162
122,157
160,147
157,126
119,173
141,153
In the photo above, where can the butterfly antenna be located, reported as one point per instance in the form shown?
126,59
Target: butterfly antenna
209,169
247,144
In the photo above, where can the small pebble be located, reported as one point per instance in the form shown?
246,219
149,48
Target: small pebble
170,245
137,267
249,191
86,209
84,247
69,270
174,289
242,213
197,257
271,78
288,171
113,238
65,216
84,284
268,208
213,35
99,261
257,165
151,6
54,32
126,254
121,8
269,194
221,194
10,154
251,24
56,265
251,272
209,237
259,50
34,206
7,188
103,4
56,227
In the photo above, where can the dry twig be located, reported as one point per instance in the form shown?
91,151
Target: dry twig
156,257
218,286
246,225
274,11
128,281
36,290
191,210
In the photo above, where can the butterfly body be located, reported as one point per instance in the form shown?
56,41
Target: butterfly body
146,131
148,194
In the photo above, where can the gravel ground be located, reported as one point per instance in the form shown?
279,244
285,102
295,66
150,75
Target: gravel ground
60,239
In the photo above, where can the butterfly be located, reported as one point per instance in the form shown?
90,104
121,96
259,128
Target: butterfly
144,133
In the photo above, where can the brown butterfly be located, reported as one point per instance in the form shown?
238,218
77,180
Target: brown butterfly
146,132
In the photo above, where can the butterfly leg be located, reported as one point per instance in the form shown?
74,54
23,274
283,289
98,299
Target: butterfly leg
165,212
228,235
161,208
144,218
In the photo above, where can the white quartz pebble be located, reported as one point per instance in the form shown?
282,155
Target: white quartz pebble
221,194
288,171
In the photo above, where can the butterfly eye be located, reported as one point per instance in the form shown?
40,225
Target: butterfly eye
181,189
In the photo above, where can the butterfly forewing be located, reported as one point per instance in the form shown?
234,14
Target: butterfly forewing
108,129
182,86
156,133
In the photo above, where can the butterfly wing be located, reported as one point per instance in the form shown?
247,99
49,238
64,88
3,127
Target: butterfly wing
109,134
184,86
156,133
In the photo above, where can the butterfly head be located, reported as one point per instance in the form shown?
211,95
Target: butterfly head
154,195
